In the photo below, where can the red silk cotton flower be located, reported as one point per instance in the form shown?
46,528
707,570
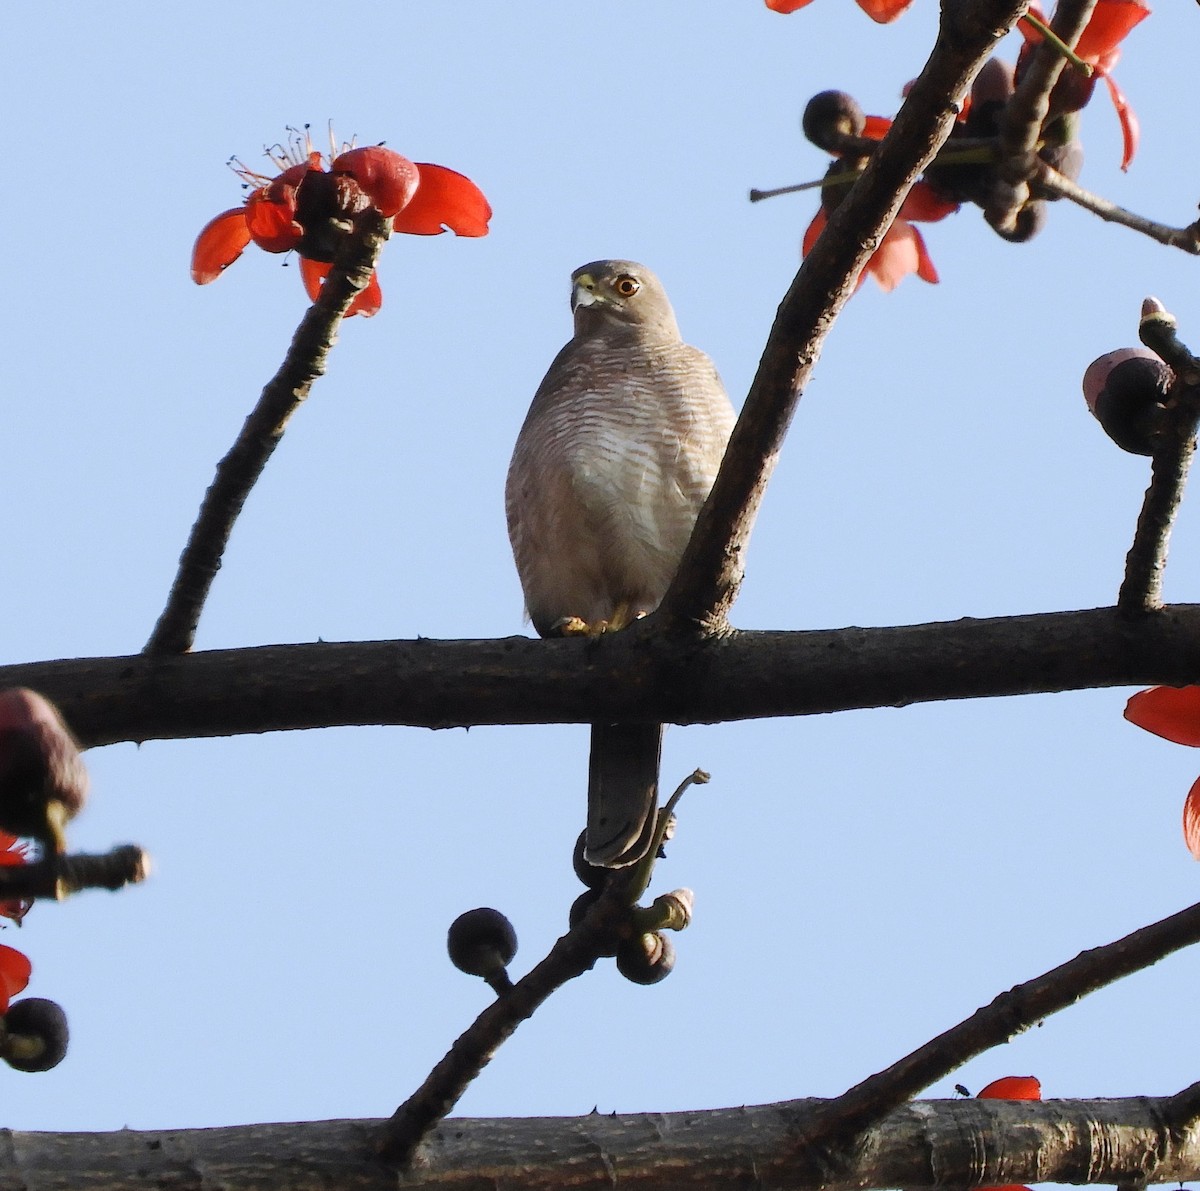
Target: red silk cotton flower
1099,46
1011,1087
882,11
902,250
309,209
1174,714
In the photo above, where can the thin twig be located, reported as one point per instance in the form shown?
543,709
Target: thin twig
1141,590
837,1123
59,877
1049,180
1025,115
711,571
237,473
575,953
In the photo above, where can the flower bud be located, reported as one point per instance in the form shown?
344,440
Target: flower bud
830,117
35,1035
481,942
646,959
1127,391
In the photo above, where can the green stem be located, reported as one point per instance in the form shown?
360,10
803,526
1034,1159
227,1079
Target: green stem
1057,42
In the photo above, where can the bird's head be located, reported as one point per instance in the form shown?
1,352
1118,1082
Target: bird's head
622,297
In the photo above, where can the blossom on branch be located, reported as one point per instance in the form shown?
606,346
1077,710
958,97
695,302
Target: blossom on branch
1011,1087
833,116
882,11
1099,46
309,209
1174,714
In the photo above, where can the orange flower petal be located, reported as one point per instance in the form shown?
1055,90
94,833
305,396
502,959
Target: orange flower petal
368,301
884,11
1130,129
219,244
1110,22
1012,1087
813,231
15,970
313,274
386,178
444,199
876,127
1191,819
1170,712
786,5
271,222
924,203
901,252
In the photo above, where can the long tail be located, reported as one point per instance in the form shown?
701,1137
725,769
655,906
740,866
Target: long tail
622,792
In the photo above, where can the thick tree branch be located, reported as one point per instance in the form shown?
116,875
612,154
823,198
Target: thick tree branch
238,472
518,680
931,1143
711,571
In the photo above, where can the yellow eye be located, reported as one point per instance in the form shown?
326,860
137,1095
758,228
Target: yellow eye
626,286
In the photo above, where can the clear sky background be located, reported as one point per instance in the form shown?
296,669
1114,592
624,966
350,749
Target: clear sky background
862,881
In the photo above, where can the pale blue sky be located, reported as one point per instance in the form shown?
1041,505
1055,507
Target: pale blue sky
862,881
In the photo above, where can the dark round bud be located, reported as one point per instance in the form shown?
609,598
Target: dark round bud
481,942
1127,391
36,1035
1067,158
1031,218
830,117
590,874
842,171
579,908
581,905
990,93
646,959
1073,91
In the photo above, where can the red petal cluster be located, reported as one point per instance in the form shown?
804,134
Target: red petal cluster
1174,714
1099,46
307,209
882,11
902,250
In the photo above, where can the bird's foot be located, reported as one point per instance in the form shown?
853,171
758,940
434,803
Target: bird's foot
571,626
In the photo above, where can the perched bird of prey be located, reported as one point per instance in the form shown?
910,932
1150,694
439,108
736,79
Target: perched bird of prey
43,782
616,456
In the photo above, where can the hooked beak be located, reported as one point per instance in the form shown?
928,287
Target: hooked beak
583,292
